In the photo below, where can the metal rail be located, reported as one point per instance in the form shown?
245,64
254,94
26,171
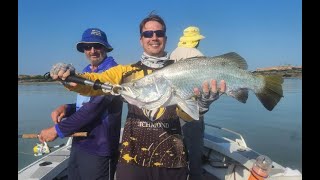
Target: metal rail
242,142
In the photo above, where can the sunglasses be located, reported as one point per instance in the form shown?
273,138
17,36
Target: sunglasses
88,47
149,34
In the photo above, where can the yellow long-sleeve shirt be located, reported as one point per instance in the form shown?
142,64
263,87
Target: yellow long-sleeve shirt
151,138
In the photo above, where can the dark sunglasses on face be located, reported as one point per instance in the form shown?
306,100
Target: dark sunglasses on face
88,47
149,34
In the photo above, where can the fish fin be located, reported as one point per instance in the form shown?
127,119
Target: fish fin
241,94
272,92
232,58
189,106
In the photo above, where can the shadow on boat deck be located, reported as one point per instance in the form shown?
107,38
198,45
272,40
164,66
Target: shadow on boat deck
207,176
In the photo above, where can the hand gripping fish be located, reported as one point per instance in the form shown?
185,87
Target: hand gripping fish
174,84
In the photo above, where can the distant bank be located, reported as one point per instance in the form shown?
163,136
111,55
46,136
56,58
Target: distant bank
284,71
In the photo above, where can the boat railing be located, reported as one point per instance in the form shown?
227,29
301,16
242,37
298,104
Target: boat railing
240,141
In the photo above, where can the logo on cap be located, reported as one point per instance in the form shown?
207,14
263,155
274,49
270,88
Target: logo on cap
96,32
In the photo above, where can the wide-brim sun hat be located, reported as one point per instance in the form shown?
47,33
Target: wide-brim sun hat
191,37
93,35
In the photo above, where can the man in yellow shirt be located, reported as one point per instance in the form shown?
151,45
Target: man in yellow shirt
152,144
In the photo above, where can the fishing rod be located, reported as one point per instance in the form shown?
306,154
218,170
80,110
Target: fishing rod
33,136
94,84
43,148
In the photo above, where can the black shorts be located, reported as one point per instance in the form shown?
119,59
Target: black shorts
131,172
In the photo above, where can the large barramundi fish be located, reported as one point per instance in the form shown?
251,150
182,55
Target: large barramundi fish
174,84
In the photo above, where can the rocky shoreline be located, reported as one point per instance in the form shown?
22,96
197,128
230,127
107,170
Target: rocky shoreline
284,71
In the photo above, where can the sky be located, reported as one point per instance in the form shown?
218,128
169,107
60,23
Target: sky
264,32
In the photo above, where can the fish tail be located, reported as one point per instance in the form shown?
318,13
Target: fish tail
272,92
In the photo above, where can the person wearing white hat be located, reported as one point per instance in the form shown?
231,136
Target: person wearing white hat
193,131
188,44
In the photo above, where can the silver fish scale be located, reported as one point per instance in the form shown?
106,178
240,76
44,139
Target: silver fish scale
184,76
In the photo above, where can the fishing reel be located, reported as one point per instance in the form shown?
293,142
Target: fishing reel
41,149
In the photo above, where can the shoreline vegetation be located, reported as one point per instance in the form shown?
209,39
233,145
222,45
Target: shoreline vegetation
285,71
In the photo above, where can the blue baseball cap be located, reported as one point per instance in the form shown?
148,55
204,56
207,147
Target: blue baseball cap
94,35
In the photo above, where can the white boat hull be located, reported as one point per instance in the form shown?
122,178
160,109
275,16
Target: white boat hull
223,159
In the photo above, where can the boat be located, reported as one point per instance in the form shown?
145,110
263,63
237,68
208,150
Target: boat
228,159
52,166
223,159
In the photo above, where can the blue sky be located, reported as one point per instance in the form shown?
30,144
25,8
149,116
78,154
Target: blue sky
264,32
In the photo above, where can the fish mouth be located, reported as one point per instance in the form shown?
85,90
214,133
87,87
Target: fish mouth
127,92
131,96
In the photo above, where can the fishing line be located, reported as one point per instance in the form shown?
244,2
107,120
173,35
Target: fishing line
25,153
